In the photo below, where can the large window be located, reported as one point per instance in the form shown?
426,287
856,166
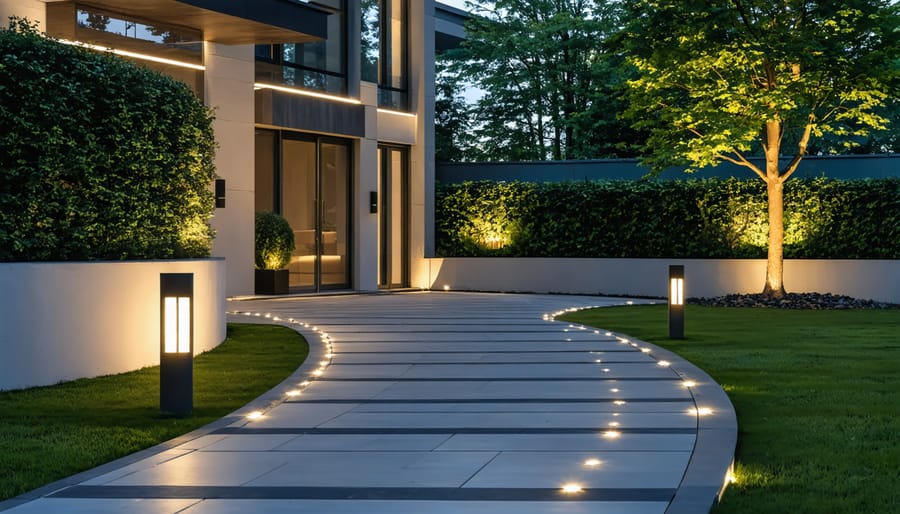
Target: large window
321,65
385,25
175,51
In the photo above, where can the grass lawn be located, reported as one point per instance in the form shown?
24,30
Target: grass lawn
816,395
49,433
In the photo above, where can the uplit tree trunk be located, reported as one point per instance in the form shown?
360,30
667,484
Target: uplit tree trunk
775,189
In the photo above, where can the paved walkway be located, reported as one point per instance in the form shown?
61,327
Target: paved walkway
440,403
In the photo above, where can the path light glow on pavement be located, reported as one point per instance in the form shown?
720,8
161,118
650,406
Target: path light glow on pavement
572,488
611,434
689,383
592,462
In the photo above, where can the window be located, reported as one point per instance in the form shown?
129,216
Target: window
384,50
321,65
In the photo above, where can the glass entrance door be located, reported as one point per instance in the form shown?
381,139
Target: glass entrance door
312,191
393,222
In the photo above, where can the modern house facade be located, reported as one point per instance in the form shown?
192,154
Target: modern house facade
323,113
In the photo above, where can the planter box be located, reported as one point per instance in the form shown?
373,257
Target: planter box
271,281
67,320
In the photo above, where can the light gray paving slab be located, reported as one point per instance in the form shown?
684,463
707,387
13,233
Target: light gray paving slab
425,346
300,415
422,507
365,442
523,420
501,371
615,470
570,442
548,406
208,469
103,506
249,443
535,357
148,463
375,469
522,389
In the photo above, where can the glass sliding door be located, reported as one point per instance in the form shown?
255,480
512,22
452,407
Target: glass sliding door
393,223
306,179
298,206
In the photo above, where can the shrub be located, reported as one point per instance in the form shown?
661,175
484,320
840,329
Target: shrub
100,158
274,241
715,218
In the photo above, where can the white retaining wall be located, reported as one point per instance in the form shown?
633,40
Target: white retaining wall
865,279
62,321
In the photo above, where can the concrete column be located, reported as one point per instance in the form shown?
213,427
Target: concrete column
33,10
354,48
365,180
229,90
421,81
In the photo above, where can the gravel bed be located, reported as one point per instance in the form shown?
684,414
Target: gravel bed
815,301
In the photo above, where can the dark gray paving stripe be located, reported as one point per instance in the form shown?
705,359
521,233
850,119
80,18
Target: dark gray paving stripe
444,431
363,493
446,352
491,400
497,379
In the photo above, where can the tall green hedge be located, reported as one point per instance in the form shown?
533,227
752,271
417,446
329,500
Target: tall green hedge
715,218
100,158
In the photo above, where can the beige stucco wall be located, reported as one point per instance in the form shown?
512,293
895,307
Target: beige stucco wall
33,10
229,91
870,279
63,321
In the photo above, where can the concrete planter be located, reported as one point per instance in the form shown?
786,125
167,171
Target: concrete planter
68,320
866,279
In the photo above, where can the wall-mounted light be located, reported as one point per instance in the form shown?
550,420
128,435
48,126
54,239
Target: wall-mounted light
373,202
220,193
676,302
176,348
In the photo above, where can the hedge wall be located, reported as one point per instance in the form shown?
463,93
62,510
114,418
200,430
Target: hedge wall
714,218
100,158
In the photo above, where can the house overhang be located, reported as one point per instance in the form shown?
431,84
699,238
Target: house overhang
230,22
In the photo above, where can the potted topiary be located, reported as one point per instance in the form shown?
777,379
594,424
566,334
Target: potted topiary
274,245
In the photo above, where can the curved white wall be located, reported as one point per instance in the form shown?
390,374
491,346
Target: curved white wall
865,279
62,321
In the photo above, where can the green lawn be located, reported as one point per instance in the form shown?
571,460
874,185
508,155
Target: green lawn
48,433
816,395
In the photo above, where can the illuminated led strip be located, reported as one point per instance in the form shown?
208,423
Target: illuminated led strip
134,55
398,113
301,92
318,372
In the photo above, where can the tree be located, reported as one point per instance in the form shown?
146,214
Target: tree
719,81
551,91
452,119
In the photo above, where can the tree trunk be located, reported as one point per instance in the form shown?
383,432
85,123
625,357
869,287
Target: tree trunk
775,188
775,262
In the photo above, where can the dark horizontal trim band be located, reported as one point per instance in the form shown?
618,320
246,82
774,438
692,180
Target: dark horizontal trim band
362,493
444,430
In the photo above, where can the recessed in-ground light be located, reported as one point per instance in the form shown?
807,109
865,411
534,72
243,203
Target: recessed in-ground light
592,462
318,372
611,434
293,392
619,402
663,363
255,415
572,488
446,287
613,423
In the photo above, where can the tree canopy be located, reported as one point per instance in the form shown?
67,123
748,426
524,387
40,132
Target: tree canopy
719,81
551,89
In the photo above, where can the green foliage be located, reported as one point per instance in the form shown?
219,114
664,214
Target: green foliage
713,76
274,241
552,90
100,158
827,219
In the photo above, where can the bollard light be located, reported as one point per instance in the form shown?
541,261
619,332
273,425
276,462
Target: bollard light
676,302
176,347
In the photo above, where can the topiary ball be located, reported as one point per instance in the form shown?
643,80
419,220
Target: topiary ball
274,241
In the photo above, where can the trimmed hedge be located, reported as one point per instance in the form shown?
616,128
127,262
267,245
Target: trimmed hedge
100,158
713,218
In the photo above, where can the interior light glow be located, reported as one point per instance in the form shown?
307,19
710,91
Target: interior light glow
134,55
303,92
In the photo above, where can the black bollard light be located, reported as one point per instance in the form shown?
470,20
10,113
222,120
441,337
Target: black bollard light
676,302
176,348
